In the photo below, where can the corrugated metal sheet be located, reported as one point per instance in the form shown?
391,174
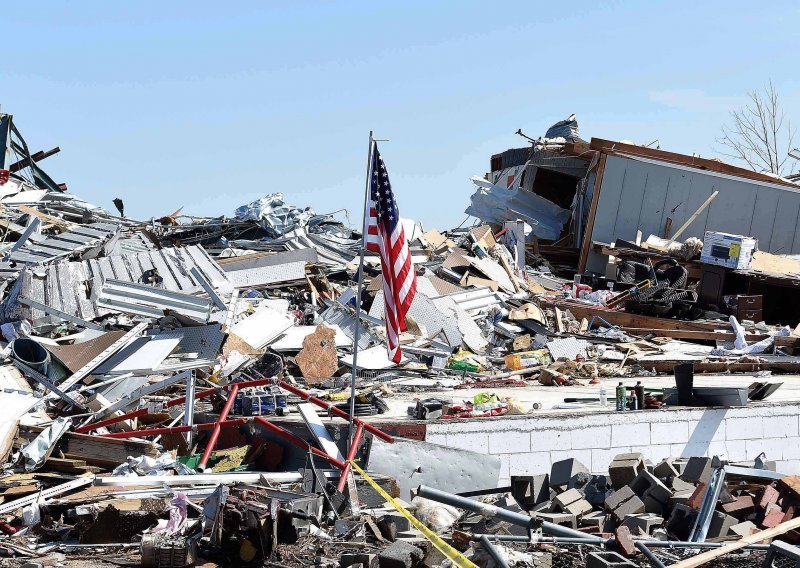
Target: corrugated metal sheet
268,275
148,301
66,286
259,260
338,315
78,238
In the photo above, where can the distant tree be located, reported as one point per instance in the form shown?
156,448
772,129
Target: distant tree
759,134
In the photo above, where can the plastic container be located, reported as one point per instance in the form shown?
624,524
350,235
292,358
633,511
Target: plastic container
525,359
621,397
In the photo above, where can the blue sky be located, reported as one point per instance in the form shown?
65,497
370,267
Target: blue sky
210,105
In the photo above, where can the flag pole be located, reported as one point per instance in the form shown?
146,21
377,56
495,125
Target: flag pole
357,332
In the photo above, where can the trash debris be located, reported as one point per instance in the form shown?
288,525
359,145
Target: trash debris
189,390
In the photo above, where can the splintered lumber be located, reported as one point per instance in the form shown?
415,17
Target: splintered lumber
754,538
96,450
104,452
625,319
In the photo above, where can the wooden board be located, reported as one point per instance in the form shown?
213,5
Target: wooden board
710,555
624,319
766,262
321,435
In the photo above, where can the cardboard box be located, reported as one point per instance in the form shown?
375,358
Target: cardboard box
731,251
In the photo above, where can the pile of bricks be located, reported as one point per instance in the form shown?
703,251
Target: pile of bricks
640,499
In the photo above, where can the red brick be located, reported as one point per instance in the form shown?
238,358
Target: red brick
625,541
769,496
772,519
743,506
789,514
696,500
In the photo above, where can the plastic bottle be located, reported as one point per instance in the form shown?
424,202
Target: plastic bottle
634,400
622,397
639,389
603,396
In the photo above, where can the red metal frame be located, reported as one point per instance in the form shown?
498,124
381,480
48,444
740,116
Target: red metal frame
176,429
297,441
223,422
212,442
351,454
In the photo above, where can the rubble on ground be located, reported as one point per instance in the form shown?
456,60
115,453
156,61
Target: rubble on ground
171,384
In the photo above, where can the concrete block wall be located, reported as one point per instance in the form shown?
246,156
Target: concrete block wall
530,444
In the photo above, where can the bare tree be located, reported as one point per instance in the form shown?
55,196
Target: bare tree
759,135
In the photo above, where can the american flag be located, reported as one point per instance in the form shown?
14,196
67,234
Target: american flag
385,236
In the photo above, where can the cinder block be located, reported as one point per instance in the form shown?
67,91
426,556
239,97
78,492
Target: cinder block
678,484
642,523
632,506
607,560
568,497
529,490
624,469
595,519
563,519
618,497
720,525
400,554
647,484
680,498
680,522
665,470
578,508
745,528
563,471
697,470
652,506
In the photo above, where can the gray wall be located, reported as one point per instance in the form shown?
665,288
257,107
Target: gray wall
640,193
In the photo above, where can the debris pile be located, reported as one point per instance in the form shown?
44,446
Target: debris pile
171,385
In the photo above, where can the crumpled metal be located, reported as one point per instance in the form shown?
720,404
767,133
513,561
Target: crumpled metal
274,215
37,452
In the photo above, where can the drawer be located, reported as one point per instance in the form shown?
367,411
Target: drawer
750,302
752,315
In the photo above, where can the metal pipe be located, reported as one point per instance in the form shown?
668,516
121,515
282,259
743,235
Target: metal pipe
360,284
503,514
351,454
297,441
175,429
212,442
654,561
494,553
188,414
611,542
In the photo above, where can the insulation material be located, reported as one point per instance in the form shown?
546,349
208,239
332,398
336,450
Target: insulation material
373,359
262,327
146,357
